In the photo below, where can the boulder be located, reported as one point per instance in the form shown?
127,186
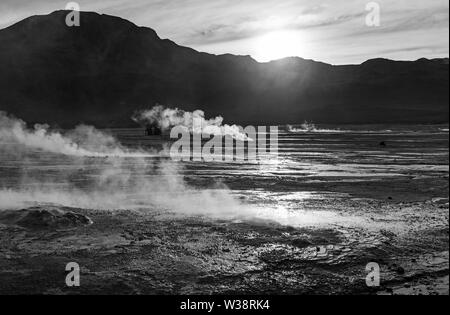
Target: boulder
47,217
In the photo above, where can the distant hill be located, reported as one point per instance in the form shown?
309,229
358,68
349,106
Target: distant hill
104,70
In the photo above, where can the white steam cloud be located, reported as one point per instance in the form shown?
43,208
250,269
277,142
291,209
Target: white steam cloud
194,122
82,141
122,186
109,183
115,182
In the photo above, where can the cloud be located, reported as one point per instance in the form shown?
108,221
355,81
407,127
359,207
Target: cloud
410,49
253,28
314,9
408,21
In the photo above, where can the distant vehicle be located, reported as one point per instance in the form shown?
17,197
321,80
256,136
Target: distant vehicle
153,130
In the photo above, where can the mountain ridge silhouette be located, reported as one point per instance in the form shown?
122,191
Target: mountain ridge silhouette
103,71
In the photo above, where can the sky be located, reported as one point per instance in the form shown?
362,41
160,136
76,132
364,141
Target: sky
332,31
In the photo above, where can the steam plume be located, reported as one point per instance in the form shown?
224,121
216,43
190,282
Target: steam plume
82,141
115,183
167,118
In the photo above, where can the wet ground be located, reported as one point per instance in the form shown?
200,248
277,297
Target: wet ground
333,202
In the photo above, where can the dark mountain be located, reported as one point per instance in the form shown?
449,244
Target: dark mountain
104,70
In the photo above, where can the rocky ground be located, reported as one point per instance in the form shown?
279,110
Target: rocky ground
150,252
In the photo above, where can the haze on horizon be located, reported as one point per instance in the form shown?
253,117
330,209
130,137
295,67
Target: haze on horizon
332,31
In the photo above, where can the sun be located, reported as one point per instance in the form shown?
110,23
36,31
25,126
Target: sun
277,45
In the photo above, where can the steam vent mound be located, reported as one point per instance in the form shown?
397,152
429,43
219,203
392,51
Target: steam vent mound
48,217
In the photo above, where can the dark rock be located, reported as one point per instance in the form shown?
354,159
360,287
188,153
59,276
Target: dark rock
388,234
49,217
400,270
301,243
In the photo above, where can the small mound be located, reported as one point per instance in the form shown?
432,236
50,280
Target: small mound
48,217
